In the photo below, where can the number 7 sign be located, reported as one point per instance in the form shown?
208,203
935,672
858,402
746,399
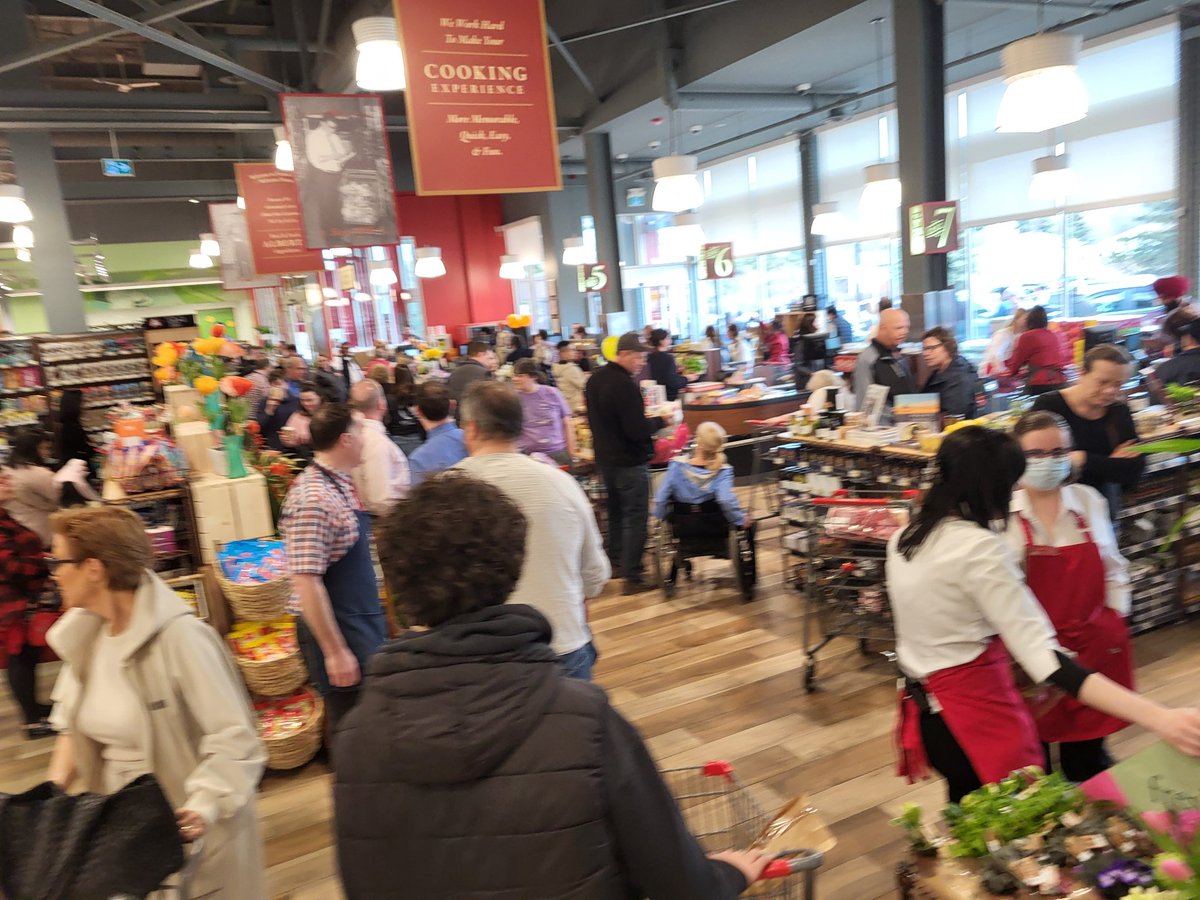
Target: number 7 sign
933,227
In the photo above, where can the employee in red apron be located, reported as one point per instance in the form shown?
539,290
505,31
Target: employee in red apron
1062,535
961,607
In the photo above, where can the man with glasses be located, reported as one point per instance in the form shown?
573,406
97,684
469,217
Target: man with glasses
951,376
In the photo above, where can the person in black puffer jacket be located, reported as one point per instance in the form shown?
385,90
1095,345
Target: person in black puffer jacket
471,767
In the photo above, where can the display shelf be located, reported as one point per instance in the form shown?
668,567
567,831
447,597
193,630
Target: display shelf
147,398
1149,506
151,497
76,360
21,392
124,379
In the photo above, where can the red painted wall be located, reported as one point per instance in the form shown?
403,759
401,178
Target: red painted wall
472,290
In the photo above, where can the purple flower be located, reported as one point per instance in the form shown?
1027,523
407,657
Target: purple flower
1125,873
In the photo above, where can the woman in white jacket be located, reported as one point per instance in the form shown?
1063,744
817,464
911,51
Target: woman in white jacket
147,688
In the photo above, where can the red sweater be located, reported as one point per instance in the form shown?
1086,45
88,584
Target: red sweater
1046,355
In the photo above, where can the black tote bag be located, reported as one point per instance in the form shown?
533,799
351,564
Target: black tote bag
59,846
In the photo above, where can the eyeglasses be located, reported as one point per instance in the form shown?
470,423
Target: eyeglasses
929,348
53,562
1058,453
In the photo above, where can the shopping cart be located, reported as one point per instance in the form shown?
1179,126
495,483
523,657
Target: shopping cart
843,544
722,815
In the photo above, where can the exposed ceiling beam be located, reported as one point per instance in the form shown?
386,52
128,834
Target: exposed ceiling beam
57,48
160,37
216,103
783,101
1048,5
571,61
673,13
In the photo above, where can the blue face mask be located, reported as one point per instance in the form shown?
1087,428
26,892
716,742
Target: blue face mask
1046,474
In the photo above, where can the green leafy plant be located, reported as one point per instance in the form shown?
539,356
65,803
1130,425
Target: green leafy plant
1022,804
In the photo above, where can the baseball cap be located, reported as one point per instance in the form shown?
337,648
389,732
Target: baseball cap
630,340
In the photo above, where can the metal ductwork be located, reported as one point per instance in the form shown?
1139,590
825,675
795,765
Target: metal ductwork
778,101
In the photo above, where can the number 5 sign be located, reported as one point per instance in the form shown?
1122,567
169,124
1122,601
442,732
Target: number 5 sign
717,260
933,227
593,277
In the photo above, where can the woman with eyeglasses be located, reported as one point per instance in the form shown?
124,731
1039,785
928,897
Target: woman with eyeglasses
1062,535
961,607
147,688
951,376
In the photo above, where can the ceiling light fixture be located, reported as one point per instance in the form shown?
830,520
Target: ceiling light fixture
881,190
209,246
13,208
1043,89
429,262
511,268
362,297
1052,179
199,260
676,187
380,60
312,294
22,237
283,151
685,235
337,300
241,202
574,252
827,220
385,277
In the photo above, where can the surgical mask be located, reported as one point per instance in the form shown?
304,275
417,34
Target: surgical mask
1046,474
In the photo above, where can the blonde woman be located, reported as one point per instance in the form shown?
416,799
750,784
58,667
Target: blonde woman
147,688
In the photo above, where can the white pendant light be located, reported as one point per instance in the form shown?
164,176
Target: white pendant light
328,293
362,297
199,260
13,208
684,236
241,202
827,220
429,262
313,295
337,300
511,268
676,187
383,277
283,151
380,61
1052,179
1043,90
22,237
209,246
881,191
574,252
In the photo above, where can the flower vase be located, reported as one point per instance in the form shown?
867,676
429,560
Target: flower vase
213,411
235,459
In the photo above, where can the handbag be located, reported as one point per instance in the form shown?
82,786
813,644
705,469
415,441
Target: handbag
59,846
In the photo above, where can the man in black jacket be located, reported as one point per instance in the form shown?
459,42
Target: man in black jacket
471,767
479,365
663,368
623,438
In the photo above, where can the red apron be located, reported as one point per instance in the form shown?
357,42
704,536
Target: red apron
983,710
1069,583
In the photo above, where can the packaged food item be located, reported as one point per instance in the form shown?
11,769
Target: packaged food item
253,561
282,716
264,641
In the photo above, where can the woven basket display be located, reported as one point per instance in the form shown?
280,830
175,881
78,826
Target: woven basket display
274,677
269,657
256,602
295,749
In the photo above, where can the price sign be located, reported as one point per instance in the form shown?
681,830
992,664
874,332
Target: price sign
933,227
593,278
716,260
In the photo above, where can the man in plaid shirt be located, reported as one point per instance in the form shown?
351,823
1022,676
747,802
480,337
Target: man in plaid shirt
23,576
327,535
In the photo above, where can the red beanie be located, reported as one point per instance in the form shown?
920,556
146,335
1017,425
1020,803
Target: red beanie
1172,288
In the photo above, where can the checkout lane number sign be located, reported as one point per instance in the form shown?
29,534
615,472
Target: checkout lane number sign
716,261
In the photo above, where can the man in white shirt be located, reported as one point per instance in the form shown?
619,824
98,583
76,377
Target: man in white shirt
327,153
382,477
565,563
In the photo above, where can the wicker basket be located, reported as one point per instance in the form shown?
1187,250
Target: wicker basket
256,602
274,677
294,750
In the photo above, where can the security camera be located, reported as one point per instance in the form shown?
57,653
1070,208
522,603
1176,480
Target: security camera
696,129
804,88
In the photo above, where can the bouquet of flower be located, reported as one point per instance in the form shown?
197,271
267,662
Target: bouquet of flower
278,470
1177,836
202,364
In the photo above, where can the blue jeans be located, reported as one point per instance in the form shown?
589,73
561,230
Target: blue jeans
578,663
628,510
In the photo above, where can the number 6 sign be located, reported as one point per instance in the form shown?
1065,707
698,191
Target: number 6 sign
717,260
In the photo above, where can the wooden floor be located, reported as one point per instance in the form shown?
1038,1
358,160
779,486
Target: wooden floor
706,677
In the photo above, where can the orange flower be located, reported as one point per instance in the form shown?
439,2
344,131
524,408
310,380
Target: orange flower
252,427
236,385
280,469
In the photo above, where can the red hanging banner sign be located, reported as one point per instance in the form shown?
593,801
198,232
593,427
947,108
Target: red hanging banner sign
273,220
480,102
933,228
716,261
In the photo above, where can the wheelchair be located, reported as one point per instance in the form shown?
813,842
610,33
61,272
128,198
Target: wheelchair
693,530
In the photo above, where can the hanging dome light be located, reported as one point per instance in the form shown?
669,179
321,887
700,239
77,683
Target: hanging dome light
283,151
574,252
684,236
676,187
13,208
313,295
199,260
429,262
328,293
385,277
22,237
511,268
24,254
362,297
337,300
827,220
1052,179
1043,90
380,60
209,246
881,192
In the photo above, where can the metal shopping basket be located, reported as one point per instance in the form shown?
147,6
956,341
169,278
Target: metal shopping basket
722,815
843,543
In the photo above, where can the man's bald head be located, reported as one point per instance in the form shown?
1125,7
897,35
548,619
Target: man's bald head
893,328
367,398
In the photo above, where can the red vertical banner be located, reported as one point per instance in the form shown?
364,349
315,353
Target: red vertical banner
716,261
480,102
933,228
273,220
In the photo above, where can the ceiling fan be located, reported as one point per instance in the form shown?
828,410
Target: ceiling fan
125,86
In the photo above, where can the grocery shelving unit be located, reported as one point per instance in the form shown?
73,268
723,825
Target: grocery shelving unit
110,367
22,384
